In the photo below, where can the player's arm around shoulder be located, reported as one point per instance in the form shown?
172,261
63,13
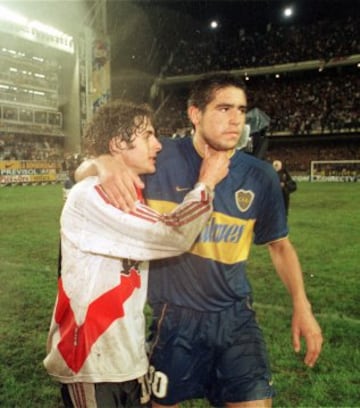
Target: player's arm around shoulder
182,225
144,233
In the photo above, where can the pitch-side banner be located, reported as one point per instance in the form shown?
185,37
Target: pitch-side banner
32,171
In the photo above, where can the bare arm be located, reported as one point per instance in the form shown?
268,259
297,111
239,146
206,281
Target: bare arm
304,324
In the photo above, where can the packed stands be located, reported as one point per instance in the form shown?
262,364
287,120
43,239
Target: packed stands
314,109
322,40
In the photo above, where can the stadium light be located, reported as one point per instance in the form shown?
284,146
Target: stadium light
46,29
8,15
214,25
288,12
16,23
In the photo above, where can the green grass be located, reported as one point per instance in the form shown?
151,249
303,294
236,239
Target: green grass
325,228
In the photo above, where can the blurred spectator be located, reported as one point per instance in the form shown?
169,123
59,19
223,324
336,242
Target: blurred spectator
69,182
288,185
16,146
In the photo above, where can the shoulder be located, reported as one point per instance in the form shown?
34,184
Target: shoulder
87,182
252,161
84,186
247,163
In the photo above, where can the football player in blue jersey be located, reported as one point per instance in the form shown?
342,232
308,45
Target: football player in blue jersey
205,340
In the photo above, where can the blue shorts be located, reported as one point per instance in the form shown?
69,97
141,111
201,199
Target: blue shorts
218,356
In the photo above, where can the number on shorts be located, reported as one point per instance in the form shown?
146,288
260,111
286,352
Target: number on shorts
159,383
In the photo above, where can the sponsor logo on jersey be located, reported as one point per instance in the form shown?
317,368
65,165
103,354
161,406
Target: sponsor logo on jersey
217,232
225,238
244,199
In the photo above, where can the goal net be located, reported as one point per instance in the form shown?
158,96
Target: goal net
335,170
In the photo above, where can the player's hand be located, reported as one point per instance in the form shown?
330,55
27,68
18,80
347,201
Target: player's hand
305,325
214,167
118,182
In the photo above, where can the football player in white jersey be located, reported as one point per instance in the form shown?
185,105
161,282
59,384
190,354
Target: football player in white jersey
96,343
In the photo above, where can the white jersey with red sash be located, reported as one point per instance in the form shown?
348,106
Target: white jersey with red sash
97,332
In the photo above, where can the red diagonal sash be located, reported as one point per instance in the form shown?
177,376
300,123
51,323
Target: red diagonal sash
76,341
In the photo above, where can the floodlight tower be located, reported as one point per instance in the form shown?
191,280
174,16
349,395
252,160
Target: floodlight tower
93,62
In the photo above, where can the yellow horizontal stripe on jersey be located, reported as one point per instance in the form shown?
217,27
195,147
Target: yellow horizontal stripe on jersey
224,239
161,206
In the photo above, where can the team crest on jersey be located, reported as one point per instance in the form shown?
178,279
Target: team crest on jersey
244,199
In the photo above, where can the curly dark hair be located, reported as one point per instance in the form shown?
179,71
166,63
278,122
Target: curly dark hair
116,119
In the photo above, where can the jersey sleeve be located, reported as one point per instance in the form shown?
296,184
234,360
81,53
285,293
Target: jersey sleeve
144,234
271,224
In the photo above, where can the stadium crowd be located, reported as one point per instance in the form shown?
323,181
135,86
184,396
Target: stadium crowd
296,103
322,40
308,103
30,147
324,102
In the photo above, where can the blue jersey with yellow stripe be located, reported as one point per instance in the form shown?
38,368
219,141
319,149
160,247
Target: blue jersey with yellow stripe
248,207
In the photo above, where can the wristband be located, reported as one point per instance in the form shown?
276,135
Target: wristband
205,187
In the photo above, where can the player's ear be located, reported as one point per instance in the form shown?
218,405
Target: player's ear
194,114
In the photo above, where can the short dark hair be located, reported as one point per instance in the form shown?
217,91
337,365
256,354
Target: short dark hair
202,90
117,118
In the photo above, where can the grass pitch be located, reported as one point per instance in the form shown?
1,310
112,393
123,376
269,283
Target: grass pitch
325,228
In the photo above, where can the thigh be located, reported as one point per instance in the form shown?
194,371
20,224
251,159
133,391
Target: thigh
242,371
179,359
126,394
79,395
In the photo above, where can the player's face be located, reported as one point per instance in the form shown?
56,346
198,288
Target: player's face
142,157
221,123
